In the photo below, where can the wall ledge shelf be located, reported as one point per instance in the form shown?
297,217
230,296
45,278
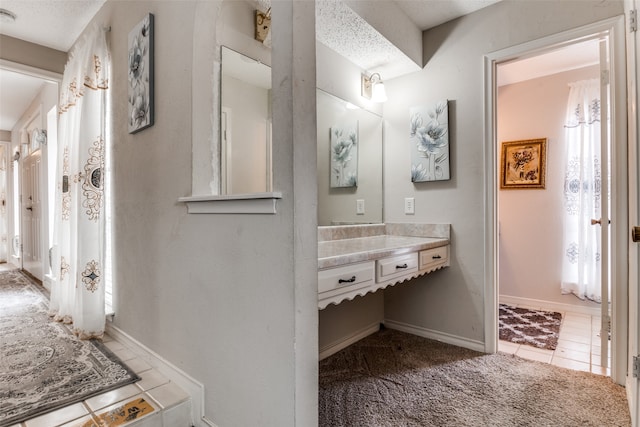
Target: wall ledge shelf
253,203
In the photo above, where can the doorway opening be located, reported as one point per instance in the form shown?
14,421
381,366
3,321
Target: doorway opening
502,247
532,95
29,117
31,153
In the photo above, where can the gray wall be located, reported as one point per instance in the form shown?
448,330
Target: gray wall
230,299
34,55
451,301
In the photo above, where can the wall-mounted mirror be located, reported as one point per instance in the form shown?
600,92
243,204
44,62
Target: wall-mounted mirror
342,201
245,124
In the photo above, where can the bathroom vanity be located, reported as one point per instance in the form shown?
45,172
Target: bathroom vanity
357,259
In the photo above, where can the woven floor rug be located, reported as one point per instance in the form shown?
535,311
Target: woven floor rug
43,366
393,379
536,328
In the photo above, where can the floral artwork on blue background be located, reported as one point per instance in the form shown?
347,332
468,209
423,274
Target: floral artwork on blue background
429,139
344,156
140,92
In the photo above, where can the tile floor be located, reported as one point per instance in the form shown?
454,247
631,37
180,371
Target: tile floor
171,406
578,345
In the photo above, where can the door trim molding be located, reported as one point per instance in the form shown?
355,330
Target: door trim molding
614,27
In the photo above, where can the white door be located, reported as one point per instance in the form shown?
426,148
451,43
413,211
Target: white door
633,43
32,215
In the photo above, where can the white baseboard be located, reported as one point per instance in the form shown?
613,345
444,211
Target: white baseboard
548,305
345,342
48,282
192,387
435,335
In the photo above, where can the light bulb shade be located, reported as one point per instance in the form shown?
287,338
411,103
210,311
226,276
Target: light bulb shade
378,93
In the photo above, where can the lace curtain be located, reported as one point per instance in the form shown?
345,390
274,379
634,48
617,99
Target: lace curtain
581,266
77,294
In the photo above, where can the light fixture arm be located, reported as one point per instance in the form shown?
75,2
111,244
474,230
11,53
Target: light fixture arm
372,88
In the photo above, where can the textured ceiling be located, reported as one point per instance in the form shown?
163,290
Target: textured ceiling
51,23
345,32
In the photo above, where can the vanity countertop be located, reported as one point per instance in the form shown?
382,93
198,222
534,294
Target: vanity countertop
334,253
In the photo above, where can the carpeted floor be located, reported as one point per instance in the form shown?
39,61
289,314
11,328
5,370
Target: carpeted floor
396,379
536,328
42,365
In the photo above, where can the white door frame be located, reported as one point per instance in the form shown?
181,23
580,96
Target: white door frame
7,198
614,27
633,70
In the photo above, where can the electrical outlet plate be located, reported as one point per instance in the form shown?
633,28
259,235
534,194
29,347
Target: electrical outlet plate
409,206
360,207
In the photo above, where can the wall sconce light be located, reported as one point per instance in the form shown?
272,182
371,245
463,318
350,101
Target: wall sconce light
373,88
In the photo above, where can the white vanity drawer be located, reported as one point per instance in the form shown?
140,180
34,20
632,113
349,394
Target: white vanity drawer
397,266
346,278
435,257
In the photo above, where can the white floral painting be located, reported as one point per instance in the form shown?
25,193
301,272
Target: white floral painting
429,139
344,156
141,75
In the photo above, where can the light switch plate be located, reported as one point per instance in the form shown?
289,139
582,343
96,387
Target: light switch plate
409,206
360,207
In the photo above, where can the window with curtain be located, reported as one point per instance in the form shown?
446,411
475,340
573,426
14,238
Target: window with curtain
78,292
583,194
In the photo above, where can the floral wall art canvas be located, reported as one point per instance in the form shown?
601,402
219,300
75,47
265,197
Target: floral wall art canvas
429,139
523,164
344,156
141,75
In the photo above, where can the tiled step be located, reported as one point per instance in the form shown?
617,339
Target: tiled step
153,401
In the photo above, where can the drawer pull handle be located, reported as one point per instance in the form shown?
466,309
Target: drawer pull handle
436,257
398,267
353,279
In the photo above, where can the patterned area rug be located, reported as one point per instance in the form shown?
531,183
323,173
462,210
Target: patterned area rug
532,327
43,366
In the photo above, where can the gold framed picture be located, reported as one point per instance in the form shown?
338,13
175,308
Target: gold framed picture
523,164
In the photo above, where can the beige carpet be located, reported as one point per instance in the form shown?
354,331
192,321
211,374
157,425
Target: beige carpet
397,379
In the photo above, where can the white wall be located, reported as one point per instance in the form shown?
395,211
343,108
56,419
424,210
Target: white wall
451,301
531,220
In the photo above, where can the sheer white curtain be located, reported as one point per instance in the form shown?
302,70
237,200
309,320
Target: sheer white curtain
581,266
77,294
